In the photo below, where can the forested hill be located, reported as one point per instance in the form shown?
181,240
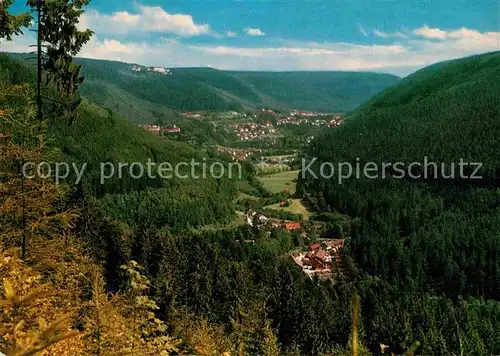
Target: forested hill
434,234
207,88
136,95
101,136
447,111
460,73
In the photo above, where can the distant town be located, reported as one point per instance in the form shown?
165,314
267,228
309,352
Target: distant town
253,127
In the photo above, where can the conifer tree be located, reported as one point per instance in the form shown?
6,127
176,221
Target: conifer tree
28,202
58,30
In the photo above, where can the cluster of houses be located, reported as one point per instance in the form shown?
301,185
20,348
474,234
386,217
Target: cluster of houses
308,113
299,113
238,154
253,217
290,120
320,258
253,131
158,130
161,70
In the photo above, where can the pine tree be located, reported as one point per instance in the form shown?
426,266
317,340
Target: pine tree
148,332
58,29
29,205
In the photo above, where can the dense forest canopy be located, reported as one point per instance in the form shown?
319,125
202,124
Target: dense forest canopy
437,235
130,266
136,94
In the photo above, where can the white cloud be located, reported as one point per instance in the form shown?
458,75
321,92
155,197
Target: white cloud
464,33
231,34
427,32
147,19
337,49
254,31
399,56
456,42
18,44
382,34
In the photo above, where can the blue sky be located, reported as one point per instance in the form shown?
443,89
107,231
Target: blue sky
374,35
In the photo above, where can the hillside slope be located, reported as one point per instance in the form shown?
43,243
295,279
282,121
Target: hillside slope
436,233
137,95
211,89
446,112
324,91
100,138
437,78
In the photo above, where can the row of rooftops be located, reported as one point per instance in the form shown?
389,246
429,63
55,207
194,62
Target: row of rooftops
320,254
287,225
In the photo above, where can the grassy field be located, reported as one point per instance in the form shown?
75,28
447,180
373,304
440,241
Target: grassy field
244,187
271,168
276,182
297,208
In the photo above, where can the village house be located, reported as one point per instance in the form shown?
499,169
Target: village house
252,216
291,226
321,259
334,245
174,129
318,261
238,153
314,246
317,258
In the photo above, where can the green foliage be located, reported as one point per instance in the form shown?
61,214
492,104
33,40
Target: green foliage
189,205
11,24
221,91
101,136
58,29
29,208
14,72
322,91
416,247
423,237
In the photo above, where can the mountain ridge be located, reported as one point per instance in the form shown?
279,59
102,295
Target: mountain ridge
205,88
200,88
